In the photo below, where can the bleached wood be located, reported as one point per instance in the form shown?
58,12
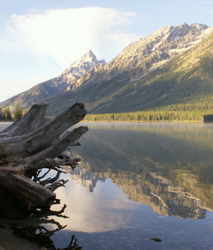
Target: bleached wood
34,119
27,190
34,143
44,136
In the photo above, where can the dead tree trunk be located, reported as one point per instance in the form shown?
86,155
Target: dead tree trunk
34,143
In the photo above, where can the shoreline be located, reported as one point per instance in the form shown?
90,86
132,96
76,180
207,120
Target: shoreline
149,121
9,241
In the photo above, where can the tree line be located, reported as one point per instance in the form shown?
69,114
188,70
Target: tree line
148,116
5,115
141,116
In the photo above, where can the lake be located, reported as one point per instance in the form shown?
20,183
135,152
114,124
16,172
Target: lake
139,181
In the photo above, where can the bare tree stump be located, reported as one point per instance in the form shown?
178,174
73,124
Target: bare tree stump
34,143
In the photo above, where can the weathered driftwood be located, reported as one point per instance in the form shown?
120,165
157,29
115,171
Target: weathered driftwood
34,143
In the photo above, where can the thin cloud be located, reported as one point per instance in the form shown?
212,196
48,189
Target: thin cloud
37,43
65,35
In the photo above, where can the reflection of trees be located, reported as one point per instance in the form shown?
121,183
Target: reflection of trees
182,147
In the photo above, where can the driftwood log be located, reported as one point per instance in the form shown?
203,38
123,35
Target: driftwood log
27,148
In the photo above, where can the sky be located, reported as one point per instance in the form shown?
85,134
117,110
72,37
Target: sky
39,39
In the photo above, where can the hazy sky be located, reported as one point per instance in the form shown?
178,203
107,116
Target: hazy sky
40,38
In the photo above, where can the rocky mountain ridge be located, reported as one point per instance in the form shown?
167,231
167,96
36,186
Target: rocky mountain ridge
153,51
79,68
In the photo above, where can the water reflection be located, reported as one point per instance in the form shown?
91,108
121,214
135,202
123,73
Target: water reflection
139,181
136,182
168,167
86,178
153,190
100,211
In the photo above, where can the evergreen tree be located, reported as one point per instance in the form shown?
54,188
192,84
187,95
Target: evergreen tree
18,113
7,114
1,115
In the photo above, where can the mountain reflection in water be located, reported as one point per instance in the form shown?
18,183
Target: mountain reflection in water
153,190
167,166
138,181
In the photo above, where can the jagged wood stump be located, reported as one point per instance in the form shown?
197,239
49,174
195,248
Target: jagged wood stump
29,145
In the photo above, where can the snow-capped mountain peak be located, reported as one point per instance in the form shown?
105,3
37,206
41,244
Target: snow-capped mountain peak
80,67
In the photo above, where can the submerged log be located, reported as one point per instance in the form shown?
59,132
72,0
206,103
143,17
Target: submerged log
34,143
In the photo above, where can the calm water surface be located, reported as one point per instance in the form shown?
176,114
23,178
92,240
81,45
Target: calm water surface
139,181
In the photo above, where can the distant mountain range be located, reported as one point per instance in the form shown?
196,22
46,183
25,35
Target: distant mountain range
172,67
